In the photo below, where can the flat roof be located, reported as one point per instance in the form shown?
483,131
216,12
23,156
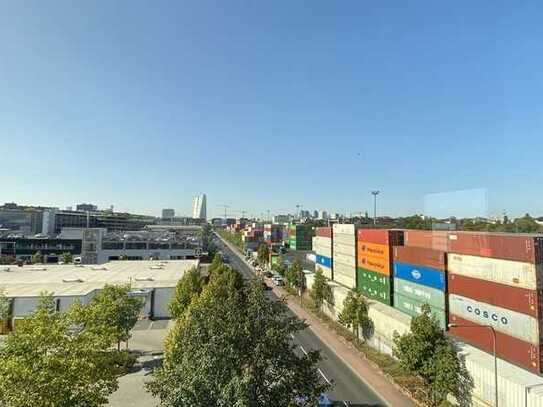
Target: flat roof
32,280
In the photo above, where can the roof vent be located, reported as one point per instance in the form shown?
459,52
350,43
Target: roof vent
72,280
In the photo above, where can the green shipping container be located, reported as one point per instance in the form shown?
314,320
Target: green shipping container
274,259
376,280
412,307
431,296
382,296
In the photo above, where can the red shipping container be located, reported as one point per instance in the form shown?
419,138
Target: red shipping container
511,349
421,256
390,237
324,231
428,239
507,246
514,298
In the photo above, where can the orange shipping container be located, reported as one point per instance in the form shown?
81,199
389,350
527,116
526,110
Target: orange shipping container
374,250
373,263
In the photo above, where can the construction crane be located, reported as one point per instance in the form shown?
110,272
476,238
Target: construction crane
225,209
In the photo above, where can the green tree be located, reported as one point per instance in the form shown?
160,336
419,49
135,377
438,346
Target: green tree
113,310
51,360
6,259
263,253
294,274
66,258
216,263
526,224
428,353
320,291
233,348
355,314
280,268
190,286
4,309
37,258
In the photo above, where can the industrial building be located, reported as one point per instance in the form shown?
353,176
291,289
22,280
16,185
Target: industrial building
154,281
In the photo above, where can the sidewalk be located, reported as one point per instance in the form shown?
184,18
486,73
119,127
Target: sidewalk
346,352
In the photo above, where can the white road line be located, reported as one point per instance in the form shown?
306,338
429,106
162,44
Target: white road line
346,404
323,376
303,350
292,336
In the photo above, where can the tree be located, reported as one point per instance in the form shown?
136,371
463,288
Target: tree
216,263
263,253
190,286
37,258
320,291
7,259
280,268
51,360
355,314
233,348
427,352
66,258
113,310
294,274
4,309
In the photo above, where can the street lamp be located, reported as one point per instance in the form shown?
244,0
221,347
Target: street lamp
375,193
494,351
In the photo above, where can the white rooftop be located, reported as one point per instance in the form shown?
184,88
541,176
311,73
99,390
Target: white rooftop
32,280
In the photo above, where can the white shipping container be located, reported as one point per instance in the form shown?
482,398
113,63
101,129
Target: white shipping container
387,320
344,249
509,322
326,271
322,241
345,239
309,279
323,251
343,228
347,260
345,275
513,273
512,380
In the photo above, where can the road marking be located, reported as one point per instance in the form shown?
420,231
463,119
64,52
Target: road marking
323,376
303,350
346,404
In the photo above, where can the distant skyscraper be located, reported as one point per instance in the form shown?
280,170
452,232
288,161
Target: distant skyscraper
168,213
315,214
199,210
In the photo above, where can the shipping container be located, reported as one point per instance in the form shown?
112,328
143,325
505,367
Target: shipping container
507,347
324,261
387,237
345,275
414,308
383,296
347,240
323,251
322,241
513,273
428,239
376,264
343,249
421,256
521,326
507,246
373,277
345,259
514,298
427,276
374,250
325,231
344,229
381,284
422,293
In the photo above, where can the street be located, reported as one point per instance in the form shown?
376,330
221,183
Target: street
347,388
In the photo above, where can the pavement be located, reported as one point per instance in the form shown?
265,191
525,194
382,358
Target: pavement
356,382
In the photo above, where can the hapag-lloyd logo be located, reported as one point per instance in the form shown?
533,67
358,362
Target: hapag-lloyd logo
487,314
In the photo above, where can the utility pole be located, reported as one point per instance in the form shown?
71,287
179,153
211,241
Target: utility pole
375,193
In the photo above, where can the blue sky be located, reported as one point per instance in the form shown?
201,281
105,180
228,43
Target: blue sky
265,105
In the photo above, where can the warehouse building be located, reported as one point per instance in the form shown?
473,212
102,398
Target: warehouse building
154,281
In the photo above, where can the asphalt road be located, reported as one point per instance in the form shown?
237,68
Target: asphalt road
348,389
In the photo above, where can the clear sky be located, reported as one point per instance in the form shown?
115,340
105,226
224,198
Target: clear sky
268,104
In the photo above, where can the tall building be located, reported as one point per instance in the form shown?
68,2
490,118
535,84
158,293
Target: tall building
199,210
84,207
168,213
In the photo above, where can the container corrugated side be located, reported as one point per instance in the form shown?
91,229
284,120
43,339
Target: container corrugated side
376,264
322,241
383,296
521,326
378,236
414,308
374,250
348,260
505,296
324,261
508,347
338,248
421,275
323,251
424,294
372,276
325,231
344,240
429,239
326,271
417,255
344,228
345,275
514,273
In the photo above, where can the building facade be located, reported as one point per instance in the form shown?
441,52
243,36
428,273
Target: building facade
199,207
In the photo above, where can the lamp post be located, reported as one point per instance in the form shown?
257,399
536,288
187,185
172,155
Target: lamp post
375,193
494,351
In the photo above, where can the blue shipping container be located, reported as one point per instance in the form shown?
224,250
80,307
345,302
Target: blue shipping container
324,261
427,276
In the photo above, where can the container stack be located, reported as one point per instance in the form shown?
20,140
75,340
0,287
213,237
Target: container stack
300,237
344,250
273,233
374,262
420,277
322,245
495,280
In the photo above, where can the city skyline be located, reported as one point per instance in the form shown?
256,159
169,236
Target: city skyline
324,111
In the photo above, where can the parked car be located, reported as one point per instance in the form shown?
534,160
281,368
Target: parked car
278,281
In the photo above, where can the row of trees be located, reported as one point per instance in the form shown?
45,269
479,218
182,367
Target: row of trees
231,346
68,358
